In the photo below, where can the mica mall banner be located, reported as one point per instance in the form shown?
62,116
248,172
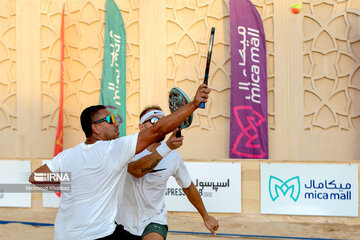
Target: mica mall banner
248,105
113,83
309,189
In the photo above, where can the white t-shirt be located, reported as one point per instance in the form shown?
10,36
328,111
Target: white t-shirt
144,199
98,173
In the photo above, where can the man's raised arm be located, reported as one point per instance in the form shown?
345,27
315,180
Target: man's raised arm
171,122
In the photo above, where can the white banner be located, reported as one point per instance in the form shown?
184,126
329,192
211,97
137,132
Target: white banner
309,189
219,185
14,175
50,199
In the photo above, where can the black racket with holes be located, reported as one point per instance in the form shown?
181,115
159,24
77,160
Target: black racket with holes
177,99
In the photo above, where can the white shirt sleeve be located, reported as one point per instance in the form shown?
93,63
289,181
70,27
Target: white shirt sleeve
55,165
182,175
123,150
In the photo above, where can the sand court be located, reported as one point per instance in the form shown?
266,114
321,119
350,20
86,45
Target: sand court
188,226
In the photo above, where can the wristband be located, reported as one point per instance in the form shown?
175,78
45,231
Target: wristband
163,149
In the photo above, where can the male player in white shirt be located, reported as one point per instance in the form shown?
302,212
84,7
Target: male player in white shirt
142,210
98,169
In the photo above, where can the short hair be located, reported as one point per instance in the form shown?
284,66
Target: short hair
86,118
148,108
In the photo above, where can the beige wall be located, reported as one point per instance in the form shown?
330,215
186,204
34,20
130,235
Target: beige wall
313,76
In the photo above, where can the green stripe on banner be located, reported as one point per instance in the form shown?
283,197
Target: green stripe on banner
113,83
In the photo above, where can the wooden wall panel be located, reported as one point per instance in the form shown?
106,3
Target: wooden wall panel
324,82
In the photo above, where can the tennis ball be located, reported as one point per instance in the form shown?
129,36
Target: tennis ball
296,8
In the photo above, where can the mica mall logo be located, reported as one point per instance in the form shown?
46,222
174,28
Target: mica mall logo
289,188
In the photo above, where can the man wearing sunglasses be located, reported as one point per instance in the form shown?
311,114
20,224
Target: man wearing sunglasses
98,169
143,212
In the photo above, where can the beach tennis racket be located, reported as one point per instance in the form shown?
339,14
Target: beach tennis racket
177,99
208,60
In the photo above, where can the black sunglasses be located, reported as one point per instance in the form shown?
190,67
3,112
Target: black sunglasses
109,118
152,120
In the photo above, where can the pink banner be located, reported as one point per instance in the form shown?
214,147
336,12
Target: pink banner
248,113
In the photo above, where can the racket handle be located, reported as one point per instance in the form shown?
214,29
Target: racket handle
202,105
178,134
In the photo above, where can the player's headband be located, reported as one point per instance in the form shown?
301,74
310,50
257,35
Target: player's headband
151,113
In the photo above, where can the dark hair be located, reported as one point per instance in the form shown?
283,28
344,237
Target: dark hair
86,118
151,107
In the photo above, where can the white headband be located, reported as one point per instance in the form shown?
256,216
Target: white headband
151,113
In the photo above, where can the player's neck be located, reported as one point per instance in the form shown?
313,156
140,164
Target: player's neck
92,139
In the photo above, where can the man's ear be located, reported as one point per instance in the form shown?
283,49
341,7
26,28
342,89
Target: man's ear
95,129
141,126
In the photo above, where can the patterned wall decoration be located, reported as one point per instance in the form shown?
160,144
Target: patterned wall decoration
188,31
331,57
130,13
84,40
8,83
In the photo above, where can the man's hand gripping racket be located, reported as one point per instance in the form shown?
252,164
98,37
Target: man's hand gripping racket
208,61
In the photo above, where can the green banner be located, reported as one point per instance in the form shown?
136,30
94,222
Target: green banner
113,84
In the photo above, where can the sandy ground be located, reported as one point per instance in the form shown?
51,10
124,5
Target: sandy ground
231,226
